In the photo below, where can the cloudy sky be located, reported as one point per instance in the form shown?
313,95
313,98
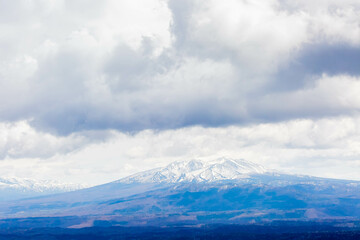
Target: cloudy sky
91,91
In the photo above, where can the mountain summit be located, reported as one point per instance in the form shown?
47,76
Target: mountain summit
197,171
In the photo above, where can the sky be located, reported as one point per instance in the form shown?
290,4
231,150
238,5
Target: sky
92,91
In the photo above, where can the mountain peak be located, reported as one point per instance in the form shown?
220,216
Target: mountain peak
198,171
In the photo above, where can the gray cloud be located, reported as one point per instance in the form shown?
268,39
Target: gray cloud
313,61
132,66
325,96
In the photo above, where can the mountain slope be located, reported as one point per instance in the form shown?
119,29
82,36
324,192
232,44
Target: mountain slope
192,192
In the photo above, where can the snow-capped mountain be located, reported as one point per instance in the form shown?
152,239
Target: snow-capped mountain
193,192
14,188
198,171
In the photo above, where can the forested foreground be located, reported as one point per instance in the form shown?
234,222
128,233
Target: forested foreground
204,232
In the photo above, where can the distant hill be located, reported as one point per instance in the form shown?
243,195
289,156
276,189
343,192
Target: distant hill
12,188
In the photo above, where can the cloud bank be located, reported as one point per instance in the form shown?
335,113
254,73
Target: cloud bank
79,74
132,65
328,147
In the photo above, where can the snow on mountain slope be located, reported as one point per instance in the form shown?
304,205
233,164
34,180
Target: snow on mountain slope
36,185
15,188
197,171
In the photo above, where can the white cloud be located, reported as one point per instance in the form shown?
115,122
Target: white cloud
20,140
259,34
329,20
341,25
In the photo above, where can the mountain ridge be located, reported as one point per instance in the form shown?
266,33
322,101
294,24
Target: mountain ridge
197,171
